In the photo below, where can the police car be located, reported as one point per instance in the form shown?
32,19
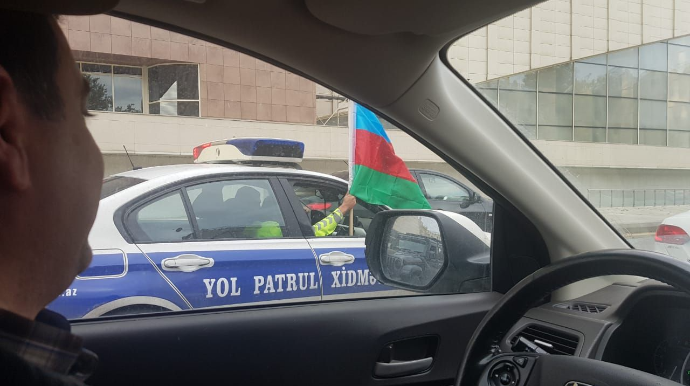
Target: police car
180,237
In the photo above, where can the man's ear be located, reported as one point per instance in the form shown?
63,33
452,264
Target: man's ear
14,162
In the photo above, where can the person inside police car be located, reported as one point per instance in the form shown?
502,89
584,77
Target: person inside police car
325,227
50,182
328,225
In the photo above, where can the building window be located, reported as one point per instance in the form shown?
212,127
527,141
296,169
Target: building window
653,94
517,98
331,108
114,88
174,89
556,103
678,113
490,90
622,96
589,102
639,95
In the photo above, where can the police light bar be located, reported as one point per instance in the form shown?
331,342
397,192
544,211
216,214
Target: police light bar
242,150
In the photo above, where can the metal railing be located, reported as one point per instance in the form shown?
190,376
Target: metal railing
608,198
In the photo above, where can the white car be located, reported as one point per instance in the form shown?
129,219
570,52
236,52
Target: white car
672,237
180,237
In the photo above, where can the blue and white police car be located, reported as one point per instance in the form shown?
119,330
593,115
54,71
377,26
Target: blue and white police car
181,237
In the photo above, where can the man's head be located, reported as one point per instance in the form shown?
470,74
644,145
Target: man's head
50,166
249,197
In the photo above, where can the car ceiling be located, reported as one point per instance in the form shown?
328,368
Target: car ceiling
372,51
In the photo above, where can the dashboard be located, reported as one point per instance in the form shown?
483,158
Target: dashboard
655,338
644,327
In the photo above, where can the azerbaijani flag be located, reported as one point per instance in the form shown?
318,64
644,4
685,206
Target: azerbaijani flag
377,175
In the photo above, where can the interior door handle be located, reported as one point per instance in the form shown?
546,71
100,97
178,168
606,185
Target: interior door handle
402,368
336,258
186,263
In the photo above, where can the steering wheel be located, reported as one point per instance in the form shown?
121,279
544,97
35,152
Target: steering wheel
484,365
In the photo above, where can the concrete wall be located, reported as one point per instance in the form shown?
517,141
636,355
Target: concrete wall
153,134
118,163
156,140
612,155
628,179
558,31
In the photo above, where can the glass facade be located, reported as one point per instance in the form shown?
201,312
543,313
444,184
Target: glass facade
639,95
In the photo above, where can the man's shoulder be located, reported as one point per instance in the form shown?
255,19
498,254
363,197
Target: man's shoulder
16,371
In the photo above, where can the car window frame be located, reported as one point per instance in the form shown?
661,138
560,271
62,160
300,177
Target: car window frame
275,186
132,223
418,175
122,214
305,223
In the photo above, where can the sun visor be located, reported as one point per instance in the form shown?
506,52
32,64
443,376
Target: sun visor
54,7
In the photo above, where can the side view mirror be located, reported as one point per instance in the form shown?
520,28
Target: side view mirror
428,251
465,202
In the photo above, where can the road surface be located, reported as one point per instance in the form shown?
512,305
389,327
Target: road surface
645,242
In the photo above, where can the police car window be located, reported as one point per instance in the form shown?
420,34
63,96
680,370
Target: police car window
163,220
439,188
320,200
112,185
236,209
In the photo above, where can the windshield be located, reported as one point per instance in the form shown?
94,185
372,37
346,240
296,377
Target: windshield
112,185
604,94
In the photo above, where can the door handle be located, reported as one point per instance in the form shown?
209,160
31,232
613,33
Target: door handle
336,258
402,368
186,263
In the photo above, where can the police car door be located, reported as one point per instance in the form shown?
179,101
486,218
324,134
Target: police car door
344,269
228,241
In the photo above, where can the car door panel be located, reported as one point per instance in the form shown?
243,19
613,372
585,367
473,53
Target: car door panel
341,259
243,265
334,343
96,293
348,278
243,271
118,276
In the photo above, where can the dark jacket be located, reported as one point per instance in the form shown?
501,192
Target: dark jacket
42,351
16,371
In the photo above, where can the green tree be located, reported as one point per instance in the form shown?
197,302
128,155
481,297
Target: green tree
129,109
99,96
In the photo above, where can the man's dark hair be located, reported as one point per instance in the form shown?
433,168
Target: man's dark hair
29,54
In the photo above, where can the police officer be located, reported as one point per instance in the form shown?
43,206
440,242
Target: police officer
327,226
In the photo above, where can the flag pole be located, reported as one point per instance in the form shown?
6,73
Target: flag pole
351,156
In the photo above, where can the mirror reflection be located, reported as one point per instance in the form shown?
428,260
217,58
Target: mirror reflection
413,253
